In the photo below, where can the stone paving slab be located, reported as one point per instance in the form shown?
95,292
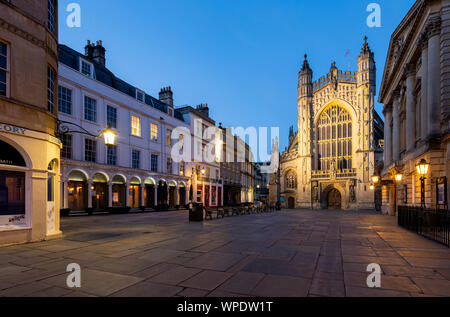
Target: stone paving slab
294,253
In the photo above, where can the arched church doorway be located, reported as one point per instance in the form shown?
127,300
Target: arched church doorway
334,199
291,203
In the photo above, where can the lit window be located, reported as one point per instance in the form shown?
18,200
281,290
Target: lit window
154,132
90,109
51,90
111,117
182,168
169,138
51,15
334,144
135,126
181,142
3,68
64,100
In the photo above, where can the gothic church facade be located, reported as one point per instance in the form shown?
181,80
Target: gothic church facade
331,158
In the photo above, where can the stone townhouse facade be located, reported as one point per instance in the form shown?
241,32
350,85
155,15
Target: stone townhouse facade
415,92
29,147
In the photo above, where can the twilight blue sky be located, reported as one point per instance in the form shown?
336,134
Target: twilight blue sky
242,57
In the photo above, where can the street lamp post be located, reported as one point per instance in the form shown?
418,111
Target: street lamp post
63,128
422,169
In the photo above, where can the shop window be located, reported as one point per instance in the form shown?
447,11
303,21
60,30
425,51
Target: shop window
12,193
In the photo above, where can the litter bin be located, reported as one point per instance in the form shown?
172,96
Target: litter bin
195,212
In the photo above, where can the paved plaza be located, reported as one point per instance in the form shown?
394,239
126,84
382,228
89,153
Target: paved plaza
293,253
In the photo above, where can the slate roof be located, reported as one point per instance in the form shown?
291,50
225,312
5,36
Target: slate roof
71,58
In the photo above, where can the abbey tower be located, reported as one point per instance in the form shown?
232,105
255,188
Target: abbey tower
331,158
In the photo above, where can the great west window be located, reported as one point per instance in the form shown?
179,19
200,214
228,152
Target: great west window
334,139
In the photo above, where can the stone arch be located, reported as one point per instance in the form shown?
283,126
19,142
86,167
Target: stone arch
53,165
77,175
100,177
182,184
20,151
173,183
136,180
119,179
336,101
326,192
150,181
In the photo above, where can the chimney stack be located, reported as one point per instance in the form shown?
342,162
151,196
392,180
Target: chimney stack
96,52
204,109
166,96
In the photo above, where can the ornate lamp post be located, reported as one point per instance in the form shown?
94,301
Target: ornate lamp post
422,169
63,128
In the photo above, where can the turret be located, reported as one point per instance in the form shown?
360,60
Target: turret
305,80
366,66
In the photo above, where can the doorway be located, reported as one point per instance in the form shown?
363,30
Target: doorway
291,203
334,199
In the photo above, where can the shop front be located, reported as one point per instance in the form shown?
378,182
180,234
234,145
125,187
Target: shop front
29,169
134,192
99,192
119,191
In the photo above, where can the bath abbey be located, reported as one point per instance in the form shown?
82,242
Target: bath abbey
339,143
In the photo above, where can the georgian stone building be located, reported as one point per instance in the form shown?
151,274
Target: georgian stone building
415,92
29,148
330,160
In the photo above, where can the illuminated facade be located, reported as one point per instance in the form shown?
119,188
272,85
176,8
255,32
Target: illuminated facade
330,160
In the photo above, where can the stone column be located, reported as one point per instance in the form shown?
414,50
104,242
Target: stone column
65,194
396,126
90,184
424,88
142,195
388,136
127,194
434,76
445,62
110,190
410,73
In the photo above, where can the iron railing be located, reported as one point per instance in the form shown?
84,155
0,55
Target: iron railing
432,224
